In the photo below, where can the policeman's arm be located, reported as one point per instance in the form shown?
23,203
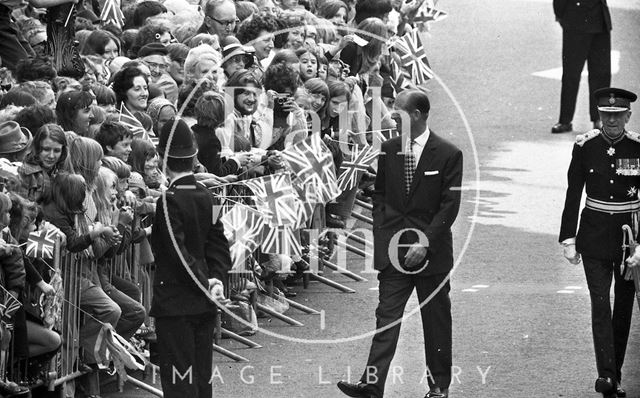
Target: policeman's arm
558,9
576,181
450,194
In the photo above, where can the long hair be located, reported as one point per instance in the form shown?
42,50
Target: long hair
97,41
54,133
373,50
69,103
141,151
84,154
23,212
209,109
319,86
68,192
117,165
102,196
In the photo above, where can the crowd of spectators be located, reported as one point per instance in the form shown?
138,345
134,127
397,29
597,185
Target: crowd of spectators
250,78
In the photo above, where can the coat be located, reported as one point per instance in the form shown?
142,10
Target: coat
201,242
431,206
587,16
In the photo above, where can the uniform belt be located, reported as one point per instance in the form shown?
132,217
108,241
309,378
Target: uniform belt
613,207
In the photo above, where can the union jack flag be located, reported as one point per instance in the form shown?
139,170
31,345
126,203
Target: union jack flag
130,122
275,198
352,169
41,244
386,134
430,14
243,228
399,78
311,161
111,13
10,304
281,240
413,57
305,205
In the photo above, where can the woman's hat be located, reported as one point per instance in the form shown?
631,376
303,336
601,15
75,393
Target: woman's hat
183,143
13,138
232,46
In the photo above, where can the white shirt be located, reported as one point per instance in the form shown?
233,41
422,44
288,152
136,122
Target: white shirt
419,143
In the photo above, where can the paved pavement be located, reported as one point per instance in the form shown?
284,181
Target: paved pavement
520,312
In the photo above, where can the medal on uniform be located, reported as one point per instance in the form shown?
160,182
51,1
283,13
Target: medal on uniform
611,151
628,167
633,191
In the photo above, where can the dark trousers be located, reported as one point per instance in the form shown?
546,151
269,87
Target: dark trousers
610,332
185,347
578,47
395,289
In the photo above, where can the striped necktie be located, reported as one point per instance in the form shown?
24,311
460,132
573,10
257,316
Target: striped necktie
409,166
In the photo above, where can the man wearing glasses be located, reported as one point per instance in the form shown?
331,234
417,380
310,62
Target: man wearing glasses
219,18
154,56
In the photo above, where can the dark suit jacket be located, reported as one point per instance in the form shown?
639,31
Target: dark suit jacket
587,16
431,206
201,242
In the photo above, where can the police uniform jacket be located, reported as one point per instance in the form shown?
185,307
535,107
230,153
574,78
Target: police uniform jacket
200,240
431,206
598,165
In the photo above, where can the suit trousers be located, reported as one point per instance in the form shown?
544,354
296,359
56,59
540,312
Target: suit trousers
610,332
578,47
395,288
185,348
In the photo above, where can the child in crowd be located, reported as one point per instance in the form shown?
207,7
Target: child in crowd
115,140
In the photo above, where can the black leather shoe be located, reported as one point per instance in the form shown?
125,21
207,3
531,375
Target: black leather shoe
604,385
437,392
620,392
561,128
358,390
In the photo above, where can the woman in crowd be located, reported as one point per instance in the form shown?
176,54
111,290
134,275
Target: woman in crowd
209,111
101,47
132,90
46,157
160,110
74,111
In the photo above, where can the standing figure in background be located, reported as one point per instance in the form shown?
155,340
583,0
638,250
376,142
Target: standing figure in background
586,36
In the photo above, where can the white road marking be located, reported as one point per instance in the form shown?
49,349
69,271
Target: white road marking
374,288
573,287
480,286
322,325
556,73
470,290
566,291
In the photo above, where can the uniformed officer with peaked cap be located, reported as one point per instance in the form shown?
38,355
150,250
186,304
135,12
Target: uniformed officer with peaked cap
606,163
192,260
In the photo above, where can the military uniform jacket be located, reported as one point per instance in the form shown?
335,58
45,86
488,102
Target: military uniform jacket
596,165
200,240
431,206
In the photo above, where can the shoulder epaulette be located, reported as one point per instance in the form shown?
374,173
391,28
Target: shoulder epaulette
183,187
633,136
582,138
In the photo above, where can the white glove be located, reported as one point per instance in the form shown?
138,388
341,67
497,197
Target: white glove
634,261
571,254
216,288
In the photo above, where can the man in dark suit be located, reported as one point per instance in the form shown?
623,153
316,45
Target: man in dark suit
586,36
416,200
192,259
606,163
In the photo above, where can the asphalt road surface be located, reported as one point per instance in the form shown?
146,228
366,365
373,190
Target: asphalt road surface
520,311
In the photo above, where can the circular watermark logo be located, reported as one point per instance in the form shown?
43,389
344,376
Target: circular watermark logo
360,38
